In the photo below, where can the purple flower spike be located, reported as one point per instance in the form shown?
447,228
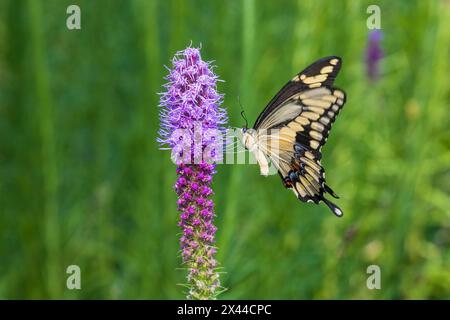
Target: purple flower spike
374,54
191,121
198,236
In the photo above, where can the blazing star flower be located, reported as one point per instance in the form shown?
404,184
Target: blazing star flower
191,122
374,54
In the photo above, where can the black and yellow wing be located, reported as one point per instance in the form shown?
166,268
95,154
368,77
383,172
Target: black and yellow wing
298,121
320,74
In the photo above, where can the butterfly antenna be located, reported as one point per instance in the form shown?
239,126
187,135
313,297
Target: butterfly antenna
243,113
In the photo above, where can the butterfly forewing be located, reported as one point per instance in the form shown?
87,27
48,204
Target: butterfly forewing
319,110
320,74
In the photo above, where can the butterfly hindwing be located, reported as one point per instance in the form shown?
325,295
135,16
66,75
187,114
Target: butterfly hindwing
306,177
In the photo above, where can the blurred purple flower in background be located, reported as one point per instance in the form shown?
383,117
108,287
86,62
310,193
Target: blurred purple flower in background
191,117
374,54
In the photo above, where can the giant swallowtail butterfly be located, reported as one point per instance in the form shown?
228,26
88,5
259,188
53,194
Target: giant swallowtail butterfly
294,126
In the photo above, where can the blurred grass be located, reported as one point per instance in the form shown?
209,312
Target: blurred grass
82,180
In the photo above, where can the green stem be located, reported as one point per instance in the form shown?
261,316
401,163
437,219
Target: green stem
45,116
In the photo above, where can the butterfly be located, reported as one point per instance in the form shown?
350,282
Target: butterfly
291,130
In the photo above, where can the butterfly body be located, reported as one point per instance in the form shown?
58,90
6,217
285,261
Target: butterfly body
249,140
291,130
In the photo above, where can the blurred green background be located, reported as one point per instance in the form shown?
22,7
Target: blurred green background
82,180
